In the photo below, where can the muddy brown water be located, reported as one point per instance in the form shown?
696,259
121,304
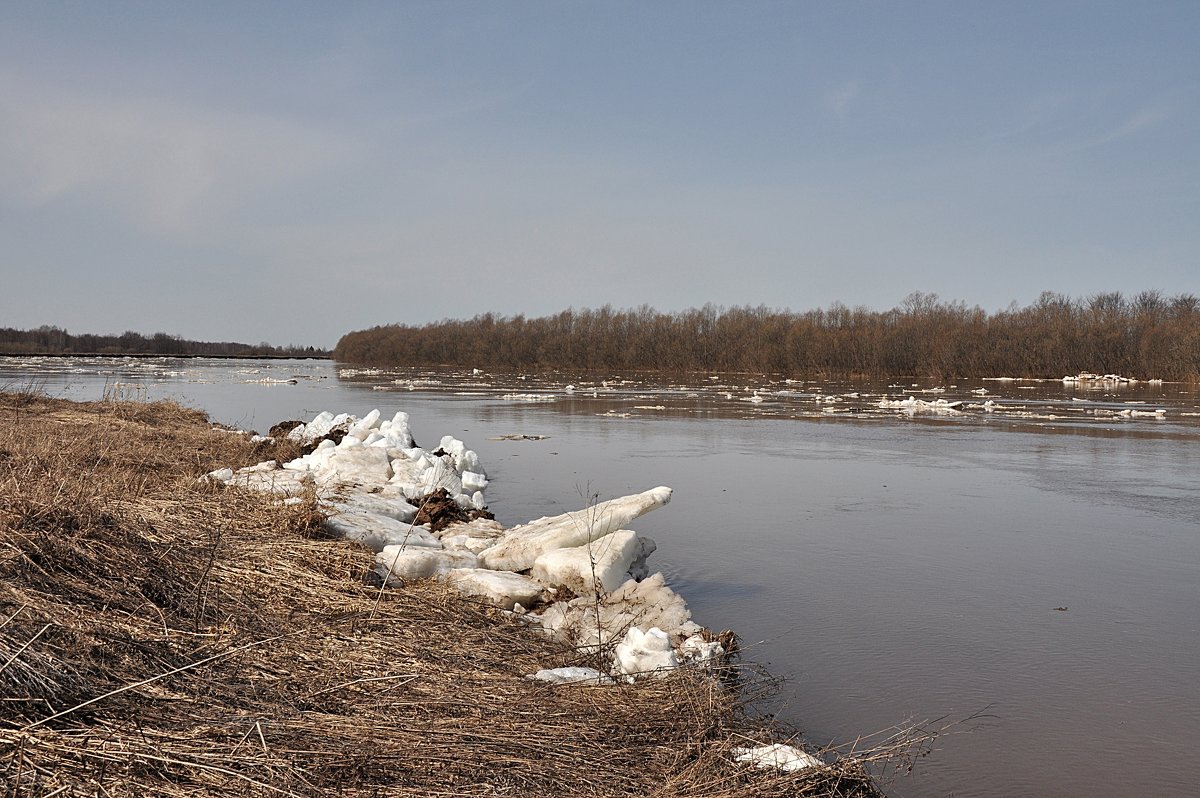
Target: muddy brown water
892,567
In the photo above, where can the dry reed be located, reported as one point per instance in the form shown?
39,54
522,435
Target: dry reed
162,636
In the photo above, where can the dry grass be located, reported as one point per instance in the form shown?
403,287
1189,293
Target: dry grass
159,636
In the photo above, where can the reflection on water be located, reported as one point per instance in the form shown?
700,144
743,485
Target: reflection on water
893,565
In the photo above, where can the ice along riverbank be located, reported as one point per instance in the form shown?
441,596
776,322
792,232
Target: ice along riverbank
580,578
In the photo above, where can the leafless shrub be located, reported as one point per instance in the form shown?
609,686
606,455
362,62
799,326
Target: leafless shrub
1152,336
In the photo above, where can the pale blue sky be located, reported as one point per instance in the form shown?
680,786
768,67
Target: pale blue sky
291,171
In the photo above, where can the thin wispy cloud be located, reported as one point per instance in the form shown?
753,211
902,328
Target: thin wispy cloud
841,99
1141,121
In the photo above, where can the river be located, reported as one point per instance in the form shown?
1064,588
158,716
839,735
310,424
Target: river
1025,550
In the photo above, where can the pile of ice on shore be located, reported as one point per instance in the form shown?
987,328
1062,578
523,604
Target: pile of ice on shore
581,576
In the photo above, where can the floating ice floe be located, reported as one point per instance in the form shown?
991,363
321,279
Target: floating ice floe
912,406
1099,380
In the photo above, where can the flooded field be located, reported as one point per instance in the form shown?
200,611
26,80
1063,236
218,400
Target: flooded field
1028,550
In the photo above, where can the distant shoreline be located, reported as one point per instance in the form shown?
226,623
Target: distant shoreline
143,355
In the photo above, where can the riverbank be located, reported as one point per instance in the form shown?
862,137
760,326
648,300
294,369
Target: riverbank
162,634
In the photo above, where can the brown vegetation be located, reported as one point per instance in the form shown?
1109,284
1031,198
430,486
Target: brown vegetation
164,636
50,340
1148,336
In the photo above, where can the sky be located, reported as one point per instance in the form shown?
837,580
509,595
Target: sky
289,172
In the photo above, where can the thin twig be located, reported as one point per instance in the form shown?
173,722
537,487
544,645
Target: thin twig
409,676
144,682
28,643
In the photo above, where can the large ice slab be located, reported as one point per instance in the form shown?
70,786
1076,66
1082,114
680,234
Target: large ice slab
600,566
377,531
501,588
390,506
522,545
266,478
397,563
355,463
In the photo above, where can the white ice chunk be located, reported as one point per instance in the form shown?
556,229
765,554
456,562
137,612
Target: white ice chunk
377,531
522,545
473,536
403,562
779,756
314,460
601,565
698,651
280,481
397,430
501,588
467,543
473,481
348,441
644,653
356,464
321,425
653,603
440,475
912,406
571,676
464,458
362,428
391,506
587,623
265,477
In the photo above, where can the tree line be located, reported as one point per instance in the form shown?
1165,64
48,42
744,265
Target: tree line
1146,336
49,340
